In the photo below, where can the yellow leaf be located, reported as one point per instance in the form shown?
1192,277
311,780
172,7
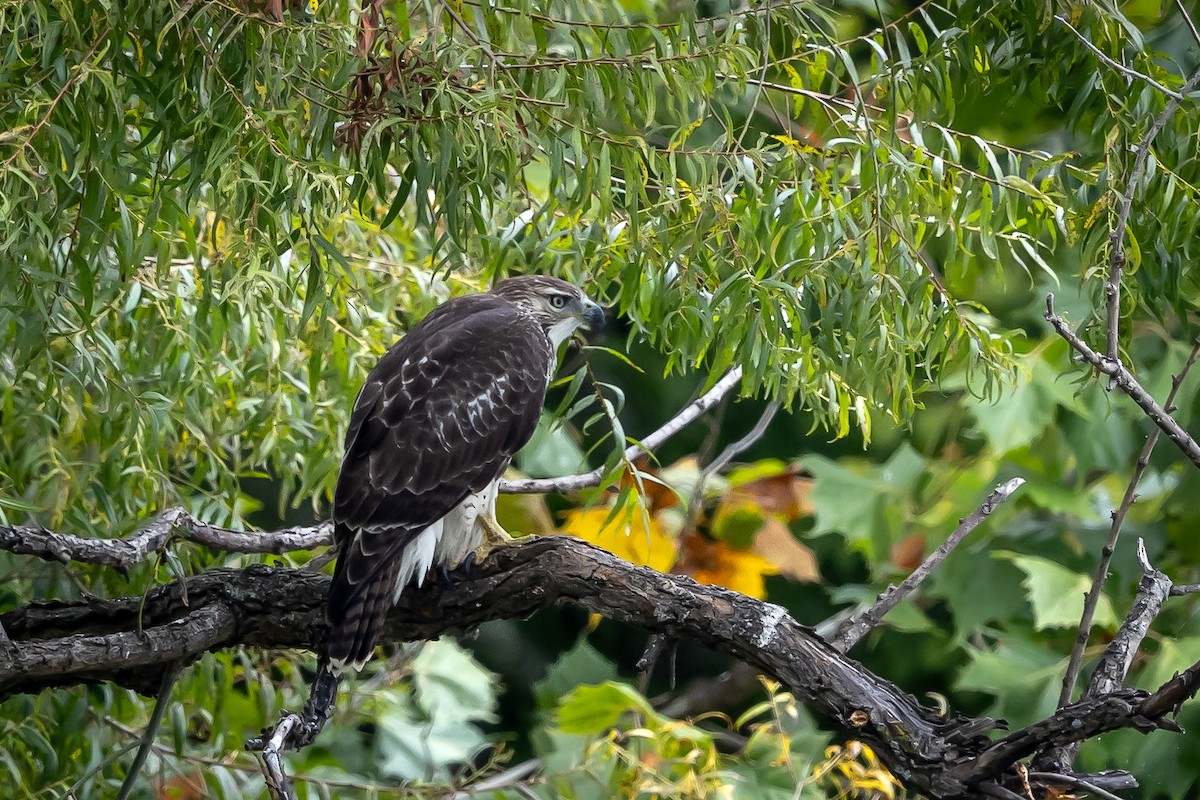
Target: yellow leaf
797,146
793,76
626,535
717,564
683,135
981,60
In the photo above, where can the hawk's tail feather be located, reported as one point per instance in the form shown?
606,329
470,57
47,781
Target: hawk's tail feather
356,618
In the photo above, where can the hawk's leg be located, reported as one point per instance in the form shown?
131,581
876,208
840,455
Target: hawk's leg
493,536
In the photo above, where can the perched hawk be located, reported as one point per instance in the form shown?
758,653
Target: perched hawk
433,429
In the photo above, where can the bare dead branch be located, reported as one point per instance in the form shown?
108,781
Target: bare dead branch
1109,674
1153,591
850,632
172,523
1092,598
1112,289
587,480
1171,696
1124,708
1123,379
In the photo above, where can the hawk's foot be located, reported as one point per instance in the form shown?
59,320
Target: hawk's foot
493,537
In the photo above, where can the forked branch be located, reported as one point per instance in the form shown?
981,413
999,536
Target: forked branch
133,641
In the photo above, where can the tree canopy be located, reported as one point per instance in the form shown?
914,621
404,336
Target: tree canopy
215,216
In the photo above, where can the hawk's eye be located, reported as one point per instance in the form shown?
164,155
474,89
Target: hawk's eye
558,301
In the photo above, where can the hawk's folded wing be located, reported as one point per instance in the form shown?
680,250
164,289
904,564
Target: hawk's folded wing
439,418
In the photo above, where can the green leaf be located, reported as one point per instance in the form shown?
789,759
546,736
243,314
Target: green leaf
450,685
594,709
1056,593
1022,676
581,664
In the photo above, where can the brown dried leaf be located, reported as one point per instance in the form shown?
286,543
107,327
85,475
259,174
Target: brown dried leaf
785,493
776,544
909,553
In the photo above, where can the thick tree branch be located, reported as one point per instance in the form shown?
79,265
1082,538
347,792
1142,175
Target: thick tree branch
1124,380
87,641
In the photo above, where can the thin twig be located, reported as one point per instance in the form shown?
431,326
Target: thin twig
508,779
1123,379
156,717
1092,598
1117,238
645,665
276,777
996,790
731,451
1187,19
856,627
1075,783
1128,72
586,480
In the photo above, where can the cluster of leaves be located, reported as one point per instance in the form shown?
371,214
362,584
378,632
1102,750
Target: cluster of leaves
735,535
187,302
214,221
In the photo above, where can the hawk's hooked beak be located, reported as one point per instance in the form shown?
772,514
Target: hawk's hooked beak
593,316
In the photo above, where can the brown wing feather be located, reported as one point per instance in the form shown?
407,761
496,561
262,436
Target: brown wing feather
438,418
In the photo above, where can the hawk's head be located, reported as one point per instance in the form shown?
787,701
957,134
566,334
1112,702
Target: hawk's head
559,307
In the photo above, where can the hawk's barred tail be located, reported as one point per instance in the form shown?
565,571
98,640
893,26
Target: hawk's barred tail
356,616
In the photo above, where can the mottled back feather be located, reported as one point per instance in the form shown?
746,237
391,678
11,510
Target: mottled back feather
438,418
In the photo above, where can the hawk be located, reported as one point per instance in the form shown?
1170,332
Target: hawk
434,427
